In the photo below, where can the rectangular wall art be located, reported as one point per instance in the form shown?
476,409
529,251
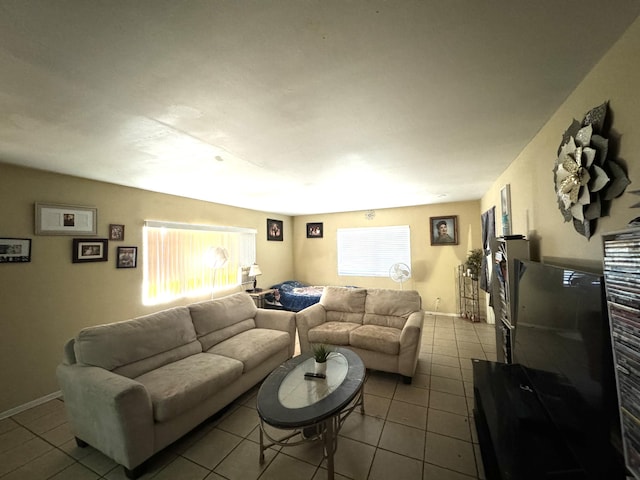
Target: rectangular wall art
314,230
444,230
15,250
90,250
127,257
54,219
505,204
274,230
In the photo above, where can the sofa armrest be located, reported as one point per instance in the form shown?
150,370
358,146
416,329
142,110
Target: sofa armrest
306,319
110,412
68,353
278,320
410,341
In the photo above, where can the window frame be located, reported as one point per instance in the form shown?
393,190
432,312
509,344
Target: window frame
361,250
176,257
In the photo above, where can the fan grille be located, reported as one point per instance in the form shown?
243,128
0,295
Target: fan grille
400,272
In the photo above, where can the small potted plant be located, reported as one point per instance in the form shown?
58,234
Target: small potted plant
320,354
474,262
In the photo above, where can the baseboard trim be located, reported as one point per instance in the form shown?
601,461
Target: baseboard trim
31,404
442,314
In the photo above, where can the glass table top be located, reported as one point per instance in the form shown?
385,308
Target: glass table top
298,391
287,399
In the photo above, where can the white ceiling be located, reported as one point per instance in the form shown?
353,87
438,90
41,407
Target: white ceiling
293,106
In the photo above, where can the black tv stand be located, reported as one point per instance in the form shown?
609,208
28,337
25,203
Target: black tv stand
518,439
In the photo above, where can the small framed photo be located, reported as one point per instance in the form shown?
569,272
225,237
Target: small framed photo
15,250
94,250
116,232
505,207
127,257
314,230
274,230
444,230
54,219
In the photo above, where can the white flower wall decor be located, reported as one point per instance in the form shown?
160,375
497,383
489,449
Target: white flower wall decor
585,179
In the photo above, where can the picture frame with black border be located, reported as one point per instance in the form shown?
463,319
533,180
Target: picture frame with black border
274,230
315,230
59,219
15,250
444,230
127,257
90,250
116,232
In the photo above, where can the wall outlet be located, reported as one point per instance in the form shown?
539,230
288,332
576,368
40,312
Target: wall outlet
437,303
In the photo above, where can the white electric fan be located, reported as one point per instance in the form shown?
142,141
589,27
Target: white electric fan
400,272
216,258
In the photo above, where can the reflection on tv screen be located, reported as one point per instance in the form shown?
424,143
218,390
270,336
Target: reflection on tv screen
562,338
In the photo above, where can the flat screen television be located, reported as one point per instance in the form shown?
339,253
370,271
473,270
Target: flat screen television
562,341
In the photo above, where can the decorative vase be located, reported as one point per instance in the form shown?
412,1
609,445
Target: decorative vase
321,367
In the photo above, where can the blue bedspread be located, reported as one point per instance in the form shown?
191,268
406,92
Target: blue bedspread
294,296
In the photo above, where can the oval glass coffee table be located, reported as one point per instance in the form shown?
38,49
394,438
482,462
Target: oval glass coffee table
311,408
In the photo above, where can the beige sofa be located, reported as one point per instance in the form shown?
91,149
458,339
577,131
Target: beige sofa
384,327
131,388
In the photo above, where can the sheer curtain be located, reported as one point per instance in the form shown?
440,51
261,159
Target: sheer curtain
177,259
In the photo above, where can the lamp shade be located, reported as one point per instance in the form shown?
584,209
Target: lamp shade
254,271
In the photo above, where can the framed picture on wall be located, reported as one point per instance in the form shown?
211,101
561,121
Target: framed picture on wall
314,230
56,219
116,232
94,250
444,230
274,230
505,207
15,250
127,257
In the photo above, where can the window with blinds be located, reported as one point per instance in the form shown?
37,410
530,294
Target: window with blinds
184,260
370,251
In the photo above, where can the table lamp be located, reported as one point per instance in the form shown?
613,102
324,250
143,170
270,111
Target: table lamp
254,271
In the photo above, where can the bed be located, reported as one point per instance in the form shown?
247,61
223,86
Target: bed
293,296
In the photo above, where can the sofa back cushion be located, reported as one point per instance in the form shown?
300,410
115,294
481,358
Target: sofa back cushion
390,308
136,346
220,319
344,304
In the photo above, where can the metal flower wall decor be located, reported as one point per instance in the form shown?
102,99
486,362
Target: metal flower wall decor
585,178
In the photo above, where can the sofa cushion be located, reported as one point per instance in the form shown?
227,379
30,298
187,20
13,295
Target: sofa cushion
179,386
140,367
376,338
344,304
332,333
253,346
151,341
390,308
220,319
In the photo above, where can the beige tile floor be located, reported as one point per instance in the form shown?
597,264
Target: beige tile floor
419,431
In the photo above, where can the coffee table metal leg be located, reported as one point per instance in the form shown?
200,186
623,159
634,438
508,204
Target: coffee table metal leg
261,446
329,446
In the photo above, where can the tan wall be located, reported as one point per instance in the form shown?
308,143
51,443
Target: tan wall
433,267
46,301
535,213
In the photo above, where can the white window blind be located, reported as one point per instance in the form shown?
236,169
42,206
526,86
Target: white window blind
370,251
178,259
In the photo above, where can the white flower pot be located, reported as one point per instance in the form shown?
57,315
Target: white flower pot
321,367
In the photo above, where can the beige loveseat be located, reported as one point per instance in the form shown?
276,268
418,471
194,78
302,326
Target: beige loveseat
384,327
131,388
